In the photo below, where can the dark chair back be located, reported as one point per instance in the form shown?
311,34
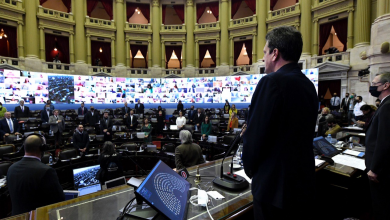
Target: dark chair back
228,139
5,149
170,147
129,146
45,157
189,128
90,130
4,166
68,154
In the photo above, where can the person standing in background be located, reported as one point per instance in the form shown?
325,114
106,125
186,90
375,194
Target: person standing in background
335,102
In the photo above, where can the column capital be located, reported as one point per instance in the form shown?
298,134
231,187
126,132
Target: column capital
230,38
183,41
156,3
350,10
112,38
41,28
254,34
20,23
315,20
88,35
196,41
190,3
162,42
119,1
127,40
71,32
218,39
224,0
150,41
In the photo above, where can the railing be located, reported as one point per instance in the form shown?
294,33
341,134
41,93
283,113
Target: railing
323,3
207,70
100,69
243,21
173,28
138,71
99,22
16,62
50,13
294,9
171,71
147,27
244,68
12,3
342,57
207,26
51,66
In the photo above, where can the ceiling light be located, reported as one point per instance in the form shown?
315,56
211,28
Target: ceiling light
55,48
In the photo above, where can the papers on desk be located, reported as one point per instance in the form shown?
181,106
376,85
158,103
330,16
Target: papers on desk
353,128
349,161
354,153
318,162
2,182
242,173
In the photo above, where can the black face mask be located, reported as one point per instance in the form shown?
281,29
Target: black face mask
324,115
374,91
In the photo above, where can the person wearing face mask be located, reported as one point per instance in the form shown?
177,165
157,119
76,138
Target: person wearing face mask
378,148
81,140
106,127
22,111
160,122
46,113
2,110
92,117
356,111
187,154
191,113
351,107
132,121
57,125
333,128
345,104
48,102
368,112
322,121
335,102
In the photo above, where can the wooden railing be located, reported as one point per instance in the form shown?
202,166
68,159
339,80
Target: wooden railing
207,70
50,13
283,11
138,71
51,66
343,57
243,21
243,68
99,22
207,26
173,28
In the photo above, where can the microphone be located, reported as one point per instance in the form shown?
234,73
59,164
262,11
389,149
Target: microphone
229,180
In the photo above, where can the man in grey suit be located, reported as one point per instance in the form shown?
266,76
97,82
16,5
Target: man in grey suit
57,126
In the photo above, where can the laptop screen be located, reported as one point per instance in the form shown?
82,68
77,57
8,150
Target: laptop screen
90,189
85,176
212,139
166,191
71,194
324,147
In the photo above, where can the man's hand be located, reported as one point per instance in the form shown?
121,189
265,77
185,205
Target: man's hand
372,176
105,130
17,133
58,121
361,122
6,134
108,133
204,135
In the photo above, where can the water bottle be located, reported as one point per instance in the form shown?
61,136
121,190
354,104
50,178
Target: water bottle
196,128
50,132
50,160
201,137
99,151
329,138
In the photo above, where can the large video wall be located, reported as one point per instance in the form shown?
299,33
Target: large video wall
37,88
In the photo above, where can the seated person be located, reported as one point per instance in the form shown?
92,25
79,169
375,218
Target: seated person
322,121
187,154
333,128
368,113
233,109
206,127
81,140
110,163
233,122
132,121
8,125
181,120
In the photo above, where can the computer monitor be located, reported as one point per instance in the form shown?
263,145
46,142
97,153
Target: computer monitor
324,147
212,138
153,119
71,194
165,191
140,135
151,148
90,189
173,127
115,182
226,115
85,176
236,130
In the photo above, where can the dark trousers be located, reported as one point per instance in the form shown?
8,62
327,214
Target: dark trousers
350,116
264,211
380,194
107,137
58,138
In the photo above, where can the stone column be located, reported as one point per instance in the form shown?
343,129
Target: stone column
42,44
128,53
254,54
149,53
163,54
190,26
113,53
197,54
363,23
217,52
315,37
261,14
231,54
71,47
224,18
79,12
120,34
89,58
306,26
156,42
20,40
32,48
381,5
350,29
183,52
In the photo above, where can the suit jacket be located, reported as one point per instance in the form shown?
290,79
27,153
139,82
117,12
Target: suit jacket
191,114
4,128
44,116
104,125
80,141
282,168
51,107
345,105
135,122
377,142
79,111
90,119
125,111
32,184
139,110
188,155
60,126
198,119
180,107
234,124
19,114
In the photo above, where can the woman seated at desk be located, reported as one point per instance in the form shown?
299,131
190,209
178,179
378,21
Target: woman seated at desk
147,128
110,163
233,122
187,154
206,127
180,121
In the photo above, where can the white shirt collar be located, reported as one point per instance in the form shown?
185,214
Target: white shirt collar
384,98
33,157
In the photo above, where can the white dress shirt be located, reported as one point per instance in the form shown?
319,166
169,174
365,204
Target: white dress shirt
13,127
357,110
181,121
335,101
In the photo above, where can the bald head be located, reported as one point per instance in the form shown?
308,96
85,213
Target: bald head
32,145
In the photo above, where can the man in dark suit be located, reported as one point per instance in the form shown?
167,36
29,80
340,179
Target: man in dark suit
48,102
131,121
139,107
82,110
191,113
246,113
345,103
106,127
180,107
46,113
57,126
92,117
8,125
198,118
21,111
282,169
31,183
378,148
125,110
81,140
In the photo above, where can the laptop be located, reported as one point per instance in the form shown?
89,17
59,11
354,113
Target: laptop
226,115
90,189
153,119
165,191
85,181
71,194
173,127
140,135
324,147
115,182
212,139
237,130
151,148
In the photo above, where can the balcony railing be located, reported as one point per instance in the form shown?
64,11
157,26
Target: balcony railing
99,23
16,62
244,68
138,27
294,9
342,57
100,69
207,70
173,28
171,71
57,67
54,14
138,71
11,3
207,26
251,20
